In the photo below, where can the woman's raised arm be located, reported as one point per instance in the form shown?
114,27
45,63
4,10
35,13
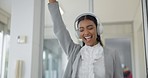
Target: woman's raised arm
60,30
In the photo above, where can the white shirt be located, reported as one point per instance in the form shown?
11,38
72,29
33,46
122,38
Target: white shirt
92,64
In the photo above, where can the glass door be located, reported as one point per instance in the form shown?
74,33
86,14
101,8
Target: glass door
5,55
1,49
145,23
4,50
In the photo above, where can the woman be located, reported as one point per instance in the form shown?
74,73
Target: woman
91,60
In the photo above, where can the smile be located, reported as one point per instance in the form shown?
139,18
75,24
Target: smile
88,38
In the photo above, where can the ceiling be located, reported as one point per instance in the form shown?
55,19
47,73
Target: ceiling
107,10
116,10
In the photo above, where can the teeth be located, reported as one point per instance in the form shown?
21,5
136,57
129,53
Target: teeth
88,37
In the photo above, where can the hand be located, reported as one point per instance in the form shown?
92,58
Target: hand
52,1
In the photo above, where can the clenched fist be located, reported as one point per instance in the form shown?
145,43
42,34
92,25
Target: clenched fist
52,1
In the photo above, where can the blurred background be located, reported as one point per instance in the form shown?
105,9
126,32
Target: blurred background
123,30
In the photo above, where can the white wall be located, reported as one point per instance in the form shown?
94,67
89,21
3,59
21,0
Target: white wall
117,30
139,48
115,10
25,21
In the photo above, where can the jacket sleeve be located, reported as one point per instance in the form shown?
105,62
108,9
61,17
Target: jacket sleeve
118,71
60,30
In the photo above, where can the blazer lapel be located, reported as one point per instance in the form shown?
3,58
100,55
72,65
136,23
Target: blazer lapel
106,61
75,65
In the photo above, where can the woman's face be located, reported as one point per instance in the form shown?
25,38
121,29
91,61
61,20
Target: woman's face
88,32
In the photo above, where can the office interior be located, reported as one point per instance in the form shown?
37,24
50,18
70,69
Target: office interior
29,48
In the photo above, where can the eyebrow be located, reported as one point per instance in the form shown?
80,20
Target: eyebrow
87,26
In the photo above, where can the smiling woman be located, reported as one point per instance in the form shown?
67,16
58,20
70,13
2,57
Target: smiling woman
124,23
92,60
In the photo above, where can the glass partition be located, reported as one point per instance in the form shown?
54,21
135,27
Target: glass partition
52,59
4,50
1,42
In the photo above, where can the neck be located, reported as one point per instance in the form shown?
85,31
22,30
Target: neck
94,44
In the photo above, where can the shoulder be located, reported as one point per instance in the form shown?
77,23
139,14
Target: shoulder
111,51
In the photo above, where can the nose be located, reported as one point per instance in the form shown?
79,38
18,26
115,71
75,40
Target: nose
86,32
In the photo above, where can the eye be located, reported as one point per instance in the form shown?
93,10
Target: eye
90,27
81,30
